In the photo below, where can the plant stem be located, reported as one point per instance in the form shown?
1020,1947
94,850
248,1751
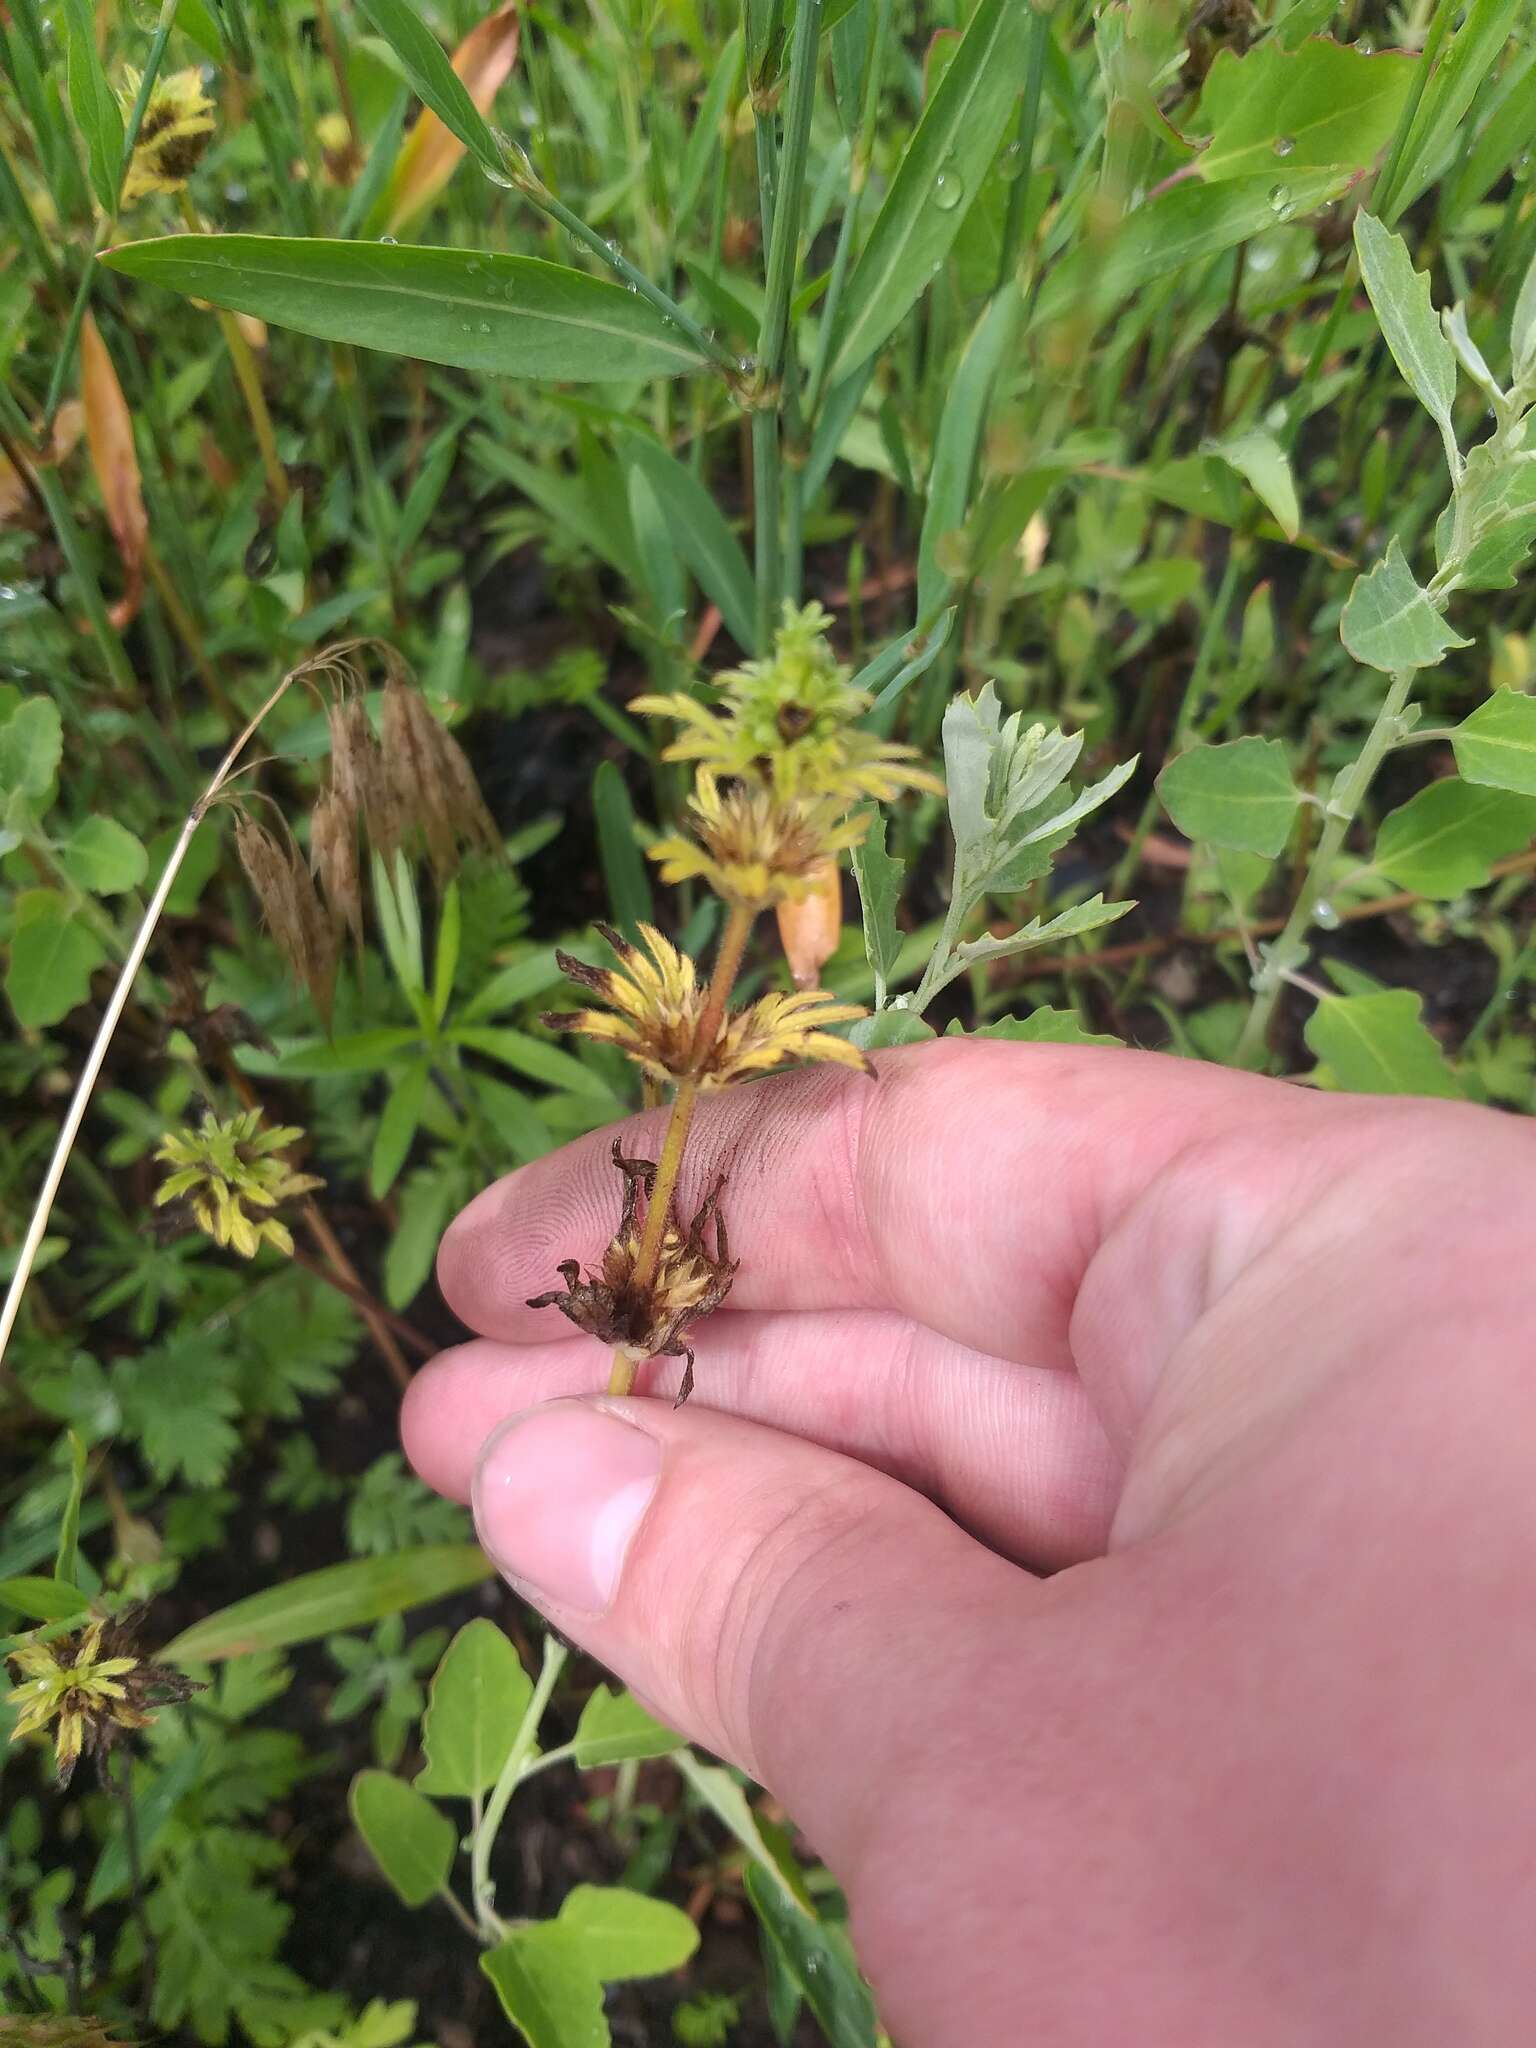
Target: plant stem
1024,143
248,378
1349,791
186,632
848,226
482,1891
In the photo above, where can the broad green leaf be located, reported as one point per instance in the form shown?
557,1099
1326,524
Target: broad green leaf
360,1052
890,1027
535,1057
624,1934
42,1599
53,956
412,1842
1476,46
820,1960
479,1695
1400,297
1389,622
1045,1026
511,316
326,1602
1262,462
1182,226
94,104
939,175
31,742
956,446
1239,795
1273,112
437,84
614,1728
1496,745
879,876
544,1990
702,537
1445,840
104,857
1379,1045
397,1128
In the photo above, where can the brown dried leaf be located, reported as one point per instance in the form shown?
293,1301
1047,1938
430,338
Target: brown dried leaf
432,152
109,435
810,929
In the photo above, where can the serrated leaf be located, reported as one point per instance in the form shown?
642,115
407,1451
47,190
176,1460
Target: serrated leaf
510,316
544,1990
1238,795
177,1399
53,956
1329,102
1445,840
1262,462
31,743
1045,1026
614,1728
1496,745
879,876
624,1934
1400,297
102,856
479,1695
1379,1045
411,1842
1388,621
1045,931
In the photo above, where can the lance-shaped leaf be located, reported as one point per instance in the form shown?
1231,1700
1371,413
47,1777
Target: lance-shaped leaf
109,436
93,103
1388,621
513,316
436,81
433,150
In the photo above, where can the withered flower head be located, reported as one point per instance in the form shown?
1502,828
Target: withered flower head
90,1687
756,848
176,130
654,1005
301,929
434,787
789,723
649,1322
228,1167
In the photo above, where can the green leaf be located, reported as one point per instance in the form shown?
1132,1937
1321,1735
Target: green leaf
614,1728
1474,49
1445,840
535,1057
879,876
1239,795
31,743
1522,328
1262,462
1388,621
1045,1026
819,1959
1042,931
624,1934
412,1842
890,1027
66,1556
544,1990
517,983
479,1695
361,1052
445,958
53,956
436,83
625,875
425,1203
955,448
1496,745
511,316
1405,311
94,104
42,1599
103,856
1379,1045
940,173
1274,112
1184,225
701,536
327,1602
397,1128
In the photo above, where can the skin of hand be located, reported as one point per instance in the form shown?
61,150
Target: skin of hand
1106,1519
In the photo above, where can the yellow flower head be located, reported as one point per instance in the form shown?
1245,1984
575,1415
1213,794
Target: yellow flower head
654,1005
755,848
789,724
90,1688
228,1167
176,130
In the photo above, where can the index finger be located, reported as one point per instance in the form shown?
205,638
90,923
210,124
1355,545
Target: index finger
967,1187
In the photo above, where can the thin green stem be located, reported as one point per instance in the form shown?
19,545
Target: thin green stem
848,227
482,1891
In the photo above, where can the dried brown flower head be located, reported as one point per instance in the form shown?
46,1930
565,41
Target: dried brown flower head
654,1006
304,933
648,1322
91,1687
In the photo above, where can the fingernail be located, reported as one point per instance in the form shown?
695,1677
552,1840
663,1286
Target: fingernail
558,1497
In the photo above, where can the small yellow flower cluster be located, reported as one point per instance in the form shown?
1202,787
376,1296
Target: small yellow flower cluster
228,1167
177,128
89,1687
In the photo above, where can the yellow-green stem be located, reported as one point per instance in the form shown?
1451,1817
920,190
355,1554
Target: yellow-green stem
733,944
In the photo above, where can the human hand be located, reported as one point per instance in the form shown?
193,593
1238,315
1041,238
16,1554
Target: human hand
1254,1364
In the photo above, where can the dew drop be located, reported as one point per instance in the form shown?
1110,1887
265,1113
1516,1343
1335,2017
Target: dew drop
948,190
464,327
631,286
1325,916
389,241
1284,145
485,326
1011,163
473,266
1280,201
1365,46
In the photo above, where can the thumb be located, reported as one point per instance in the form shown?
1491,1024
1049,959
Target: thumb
791,1609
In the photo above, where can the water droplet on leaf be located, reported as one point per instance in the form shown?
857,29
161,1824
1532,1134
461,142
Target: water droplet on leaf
1324,915
1280,200
948,190
1284,145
